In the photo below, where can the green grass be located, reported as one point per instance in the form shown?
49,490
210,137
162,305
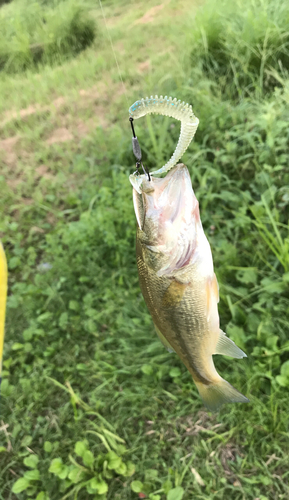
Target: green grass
83,368
245,45
34,33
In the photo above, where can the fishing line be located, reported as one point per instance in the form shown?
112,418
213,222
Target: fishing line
113,51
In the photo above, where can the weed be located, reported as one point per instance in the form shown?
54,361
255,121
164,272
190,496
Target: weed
241,44
33,33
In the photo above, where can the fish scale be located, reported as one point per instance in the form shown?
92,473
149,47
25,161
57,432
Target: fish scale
180,326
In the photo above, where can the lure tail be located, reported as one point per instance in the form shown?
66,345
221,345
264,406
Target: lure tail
218,393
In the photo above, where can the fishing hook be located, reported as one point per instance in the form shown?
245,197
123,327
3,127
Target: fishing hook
137,151
138,164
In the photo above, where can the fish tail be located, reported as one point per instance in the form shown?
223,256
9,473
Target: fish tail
218,393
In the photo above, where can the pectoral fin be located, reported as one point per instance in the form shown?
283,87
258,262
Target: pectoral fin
164,340
227,347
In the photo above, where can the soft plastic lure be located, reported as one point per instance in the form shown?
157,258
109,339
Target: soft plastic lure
166,106
3,295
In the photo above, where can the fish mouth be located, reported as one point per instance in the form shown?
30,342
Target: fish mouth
169,197
162,197
167,212
177,175
147,183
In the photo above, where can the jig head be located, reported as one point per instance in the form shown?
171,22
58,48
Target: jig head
137,153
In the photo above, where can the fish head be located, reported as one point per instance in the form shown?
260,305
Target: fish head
167,214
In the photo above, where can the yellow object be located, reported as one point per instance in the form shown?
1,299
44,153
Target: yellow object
3,295
178,282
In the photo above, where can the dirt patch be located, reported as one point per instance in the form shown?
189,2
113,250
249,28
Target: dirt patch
70,118
31,110
148,17
51,219
7,147
27,201
144,66
120,49
93,98
191,425
82,129
25,112
43,171
59,135
89,92
13,183
22,113
36,229
8,144
59,102
229,453
71,129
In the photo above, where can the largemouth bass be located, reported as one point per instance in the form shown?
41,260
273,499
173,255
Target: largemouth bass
178,282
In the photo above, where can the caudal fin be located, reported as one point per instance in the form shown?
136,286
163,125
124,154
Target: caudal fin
216,394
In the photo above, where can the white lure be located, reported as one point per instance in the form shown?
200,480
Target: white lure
166,106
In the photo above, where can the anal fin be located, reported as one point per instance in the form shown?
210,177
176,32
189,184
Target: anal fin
227,347
164,340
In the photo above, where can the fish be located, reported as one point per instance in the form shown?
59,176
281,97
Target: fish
178,283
